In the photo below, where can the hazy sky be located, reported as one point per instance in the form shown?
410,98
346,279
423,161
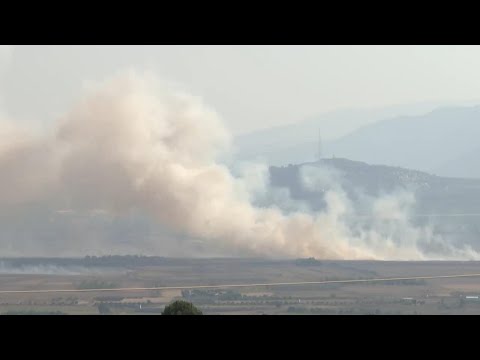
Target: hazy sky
250,86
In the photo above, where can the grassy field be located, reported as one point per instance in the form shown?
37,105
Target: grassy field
439,296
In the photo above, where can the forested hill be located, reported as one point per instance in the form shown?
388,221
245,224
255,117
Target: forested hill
433,193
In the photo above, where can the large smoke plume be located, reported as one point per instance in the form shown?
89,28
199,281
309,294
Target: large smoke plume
131,145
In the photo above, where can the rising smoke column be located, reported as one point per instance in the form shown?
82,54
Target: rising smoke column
131,144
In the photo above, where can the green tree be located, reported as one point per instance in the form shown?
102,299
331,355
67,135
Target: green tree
181,307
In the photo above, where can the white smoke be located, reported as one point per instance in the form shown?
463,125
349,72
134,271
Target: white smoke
49,269
132,145
383,224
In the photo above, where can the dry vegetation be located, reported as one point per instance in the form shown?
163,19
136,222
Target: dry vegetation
440,296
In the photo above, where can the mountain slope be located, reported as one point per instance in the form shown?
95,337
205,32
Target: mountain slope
298,142
443,142
467,165
422,142
434,194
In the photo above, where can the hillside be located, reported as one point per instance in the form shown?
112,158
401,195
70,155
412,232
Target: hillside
434,194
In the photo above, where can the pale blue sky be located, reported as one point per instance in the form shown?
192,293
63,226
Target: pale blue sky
252,87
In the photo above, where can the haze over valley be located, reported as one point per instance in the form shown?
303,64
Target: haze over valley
239,179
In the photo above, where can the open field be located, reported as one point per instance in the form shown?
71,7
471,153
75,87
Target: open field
432,296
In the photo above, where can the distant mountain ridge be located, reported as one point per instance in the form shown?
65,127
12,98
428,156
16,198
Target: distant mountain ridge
425,142
444,141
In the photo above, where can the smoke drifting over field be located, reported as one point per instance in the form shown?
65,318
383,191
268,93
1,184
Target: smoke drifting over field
131,145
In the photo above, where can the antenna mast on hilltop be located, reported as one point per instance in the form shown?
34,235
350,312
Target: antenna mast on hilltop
319,150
